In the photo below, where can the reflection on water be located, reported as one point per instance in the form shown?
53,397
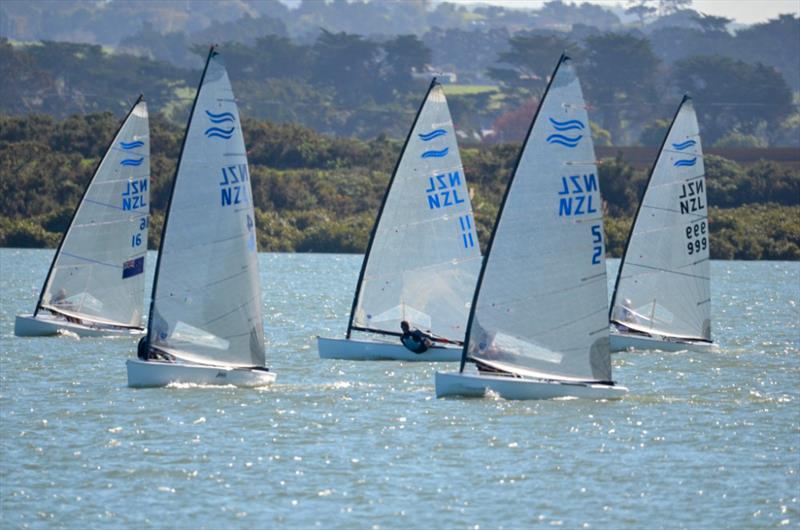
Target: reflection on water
702,440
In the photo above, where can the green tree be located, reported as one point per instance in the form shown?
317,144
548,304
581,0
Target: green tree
731,94
528,63
620,78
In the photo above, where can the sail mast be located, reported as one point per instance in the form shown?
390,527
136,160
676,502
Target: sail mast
365,261
211,53
83,196
639,206
474,304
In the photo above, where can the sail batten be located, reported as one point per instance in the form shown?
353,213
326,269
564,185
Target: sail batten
423,255
206,303
540,309
97,273
663,283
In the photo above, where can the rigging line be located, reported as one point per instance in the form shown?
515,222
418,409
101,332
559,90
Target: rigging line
104,204
603,310
65,253
126,179
422,269
206,286
235,309
661,269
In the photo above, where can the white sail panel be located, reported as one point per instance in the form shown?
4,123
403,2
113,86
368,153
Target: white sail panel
541,306
98,271
424,258
206,303
664,282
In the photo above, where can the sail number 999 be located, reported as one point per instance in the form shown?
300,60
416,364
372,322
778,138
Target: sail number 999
697,238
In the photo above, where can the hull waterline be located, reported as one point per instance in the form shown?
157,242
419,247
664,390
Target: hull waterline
457,384
145,374
366,350
630,341
48,326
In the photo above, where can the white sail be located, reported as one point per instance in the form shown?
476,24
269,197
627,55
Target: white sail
423,259
98,271
206,305
541,304
663,284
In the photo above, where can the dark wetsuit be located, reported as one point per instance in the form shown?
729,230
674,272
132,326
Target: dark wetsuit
415,341
143,349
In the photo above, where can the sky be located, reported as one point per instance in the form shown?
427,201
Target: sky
741,11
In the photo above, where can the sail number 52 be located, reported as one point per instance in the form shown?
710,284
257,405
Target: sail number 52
597,239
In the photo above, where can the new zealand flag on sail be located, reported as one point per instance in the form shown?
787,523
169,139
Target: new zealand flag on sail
133,267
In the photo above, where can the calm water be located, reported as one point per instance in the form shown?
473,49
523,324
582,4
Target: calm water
702,441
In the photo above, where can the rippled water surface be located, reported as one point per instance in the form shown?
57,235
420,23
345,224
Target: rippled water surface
702,440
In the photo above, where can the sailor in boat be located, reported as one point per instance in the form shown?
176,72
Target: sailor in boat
415,340
627,314
60,300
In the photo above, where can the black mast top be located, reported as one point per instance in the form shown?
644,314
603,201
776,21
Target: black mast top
639,207
212,51
350,326
561,61
80,202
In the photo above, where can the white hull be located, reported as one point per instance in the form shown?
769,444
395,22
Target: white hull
48,325
142,374
631,341
367,350
477,385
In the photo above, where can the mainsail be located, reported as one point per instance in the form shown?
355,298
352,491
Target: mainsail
206,303
97,274
663,284
423,257
541,305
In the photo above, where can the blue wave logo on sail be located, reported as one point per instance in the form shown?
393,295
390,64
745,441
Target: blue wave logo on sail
216,132
436,154
564,126
685,162
132,162
217,119
131,145
569,125
427,137
222,117
566,141
684,145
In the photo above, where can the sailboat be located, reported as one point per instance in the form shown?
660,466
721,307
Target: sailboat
95,284
662,296
205,322
537,326
423,257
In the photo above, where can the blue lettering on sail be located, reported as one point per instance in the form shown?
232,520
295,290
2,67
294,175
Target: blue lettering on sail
445,190
467,232
232,191
578,195
134,196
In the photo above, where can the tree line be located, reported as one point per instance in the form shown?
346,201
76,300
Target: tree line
320,193
355,85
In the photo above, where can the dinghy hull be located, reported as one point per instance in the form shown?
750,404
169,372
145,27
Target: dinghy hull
629,341
47,325
475,385
367,350
145,374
